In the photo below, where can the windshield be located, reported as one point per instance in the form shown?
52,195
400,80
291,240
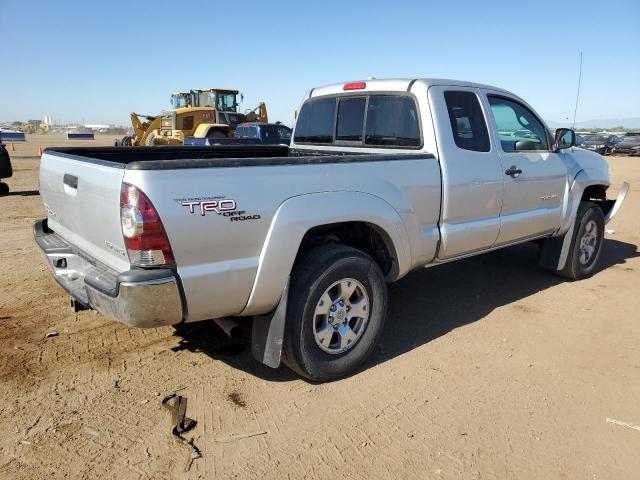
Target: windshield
180,101
226,102
207,99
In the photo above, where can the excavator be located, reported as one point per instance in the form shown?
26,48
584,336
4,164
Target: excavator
203,113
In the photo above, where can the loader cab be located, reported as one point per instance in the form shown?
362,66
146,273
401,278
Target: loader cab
221,100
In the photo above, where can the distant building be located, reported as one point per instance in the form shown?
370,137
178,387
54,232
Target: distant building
98,127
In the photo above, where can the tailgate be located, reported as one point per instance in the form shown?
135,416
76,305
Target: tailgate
82,200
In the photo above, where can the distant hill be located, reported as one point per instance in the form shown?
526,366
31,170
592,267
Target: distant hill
631,122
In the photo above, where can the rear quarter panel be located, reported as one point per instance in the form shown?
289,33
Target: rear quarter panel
217,258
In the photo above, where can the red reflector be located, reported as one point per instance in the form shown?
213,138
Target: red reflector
354,86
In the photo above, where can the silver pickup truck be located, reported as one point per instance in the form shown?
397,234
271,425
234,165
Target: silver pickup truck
382,177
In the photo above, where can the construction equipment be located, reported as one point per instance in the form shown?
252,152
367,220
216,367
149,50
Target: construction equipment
141,130
203,113
35,126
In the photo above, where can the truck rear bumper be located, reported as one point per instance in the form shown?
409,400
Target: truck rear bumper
139,298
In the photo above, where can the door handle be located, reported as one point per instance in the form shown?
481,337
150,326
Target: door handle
513,171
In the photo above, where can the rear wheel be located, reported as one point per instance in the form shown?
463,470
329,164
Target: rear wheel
336,311
586,245
4,189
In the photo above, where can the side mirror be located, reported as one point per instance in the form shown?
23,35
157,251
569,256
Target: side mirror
565,138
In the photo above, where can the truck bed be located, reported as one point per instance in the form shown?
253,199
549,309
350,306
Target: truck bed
220,156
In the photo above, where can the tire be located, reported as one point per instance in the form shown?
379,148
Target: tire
4,189
314,273
588,232
151,140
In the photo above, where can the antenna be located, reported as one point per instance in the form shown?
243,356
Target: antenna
575,110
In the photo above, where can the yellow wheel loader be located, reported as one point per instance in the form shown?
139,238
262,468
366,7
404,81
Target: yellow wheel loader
34,126
204,113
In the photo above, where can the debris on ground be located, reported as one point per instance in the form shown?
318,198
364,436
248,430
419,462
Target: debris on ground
91,431
51,334
241,436
177,405
623,424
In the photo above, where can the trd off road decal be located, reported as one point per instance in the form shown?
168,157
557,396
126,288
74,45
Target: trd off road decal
227,207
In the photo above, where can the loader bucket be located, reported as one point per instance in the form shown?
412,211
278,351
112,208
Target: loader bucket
12,136
80,136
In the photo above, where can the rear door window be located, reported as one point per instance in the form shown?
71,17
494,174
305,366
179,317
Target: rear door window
315,122
392,121
350,120
467,121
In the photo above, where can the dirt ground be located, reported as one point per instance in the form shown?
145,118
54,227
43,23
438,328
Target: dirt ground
488,368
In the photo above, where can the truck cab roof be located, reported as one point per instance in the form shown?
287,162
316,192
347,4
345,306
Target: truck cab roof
394,85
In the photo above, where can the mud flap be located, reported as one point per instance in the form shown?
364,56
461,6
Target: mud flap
268,332
553,251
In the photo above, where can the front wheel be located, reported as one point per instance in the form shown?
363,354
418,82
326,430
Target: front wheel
4,189
586,243
335,313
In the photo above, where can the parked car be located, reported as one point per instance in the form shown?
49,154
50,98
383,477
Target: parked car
382,177
265,133
5,169
629,144
598,142
250,133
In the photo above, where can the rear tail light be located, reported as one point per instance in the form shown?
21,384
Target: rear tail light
354,86
144,236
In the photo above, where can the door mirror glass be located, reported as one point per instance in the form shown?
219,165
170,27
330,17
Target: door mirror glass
565,138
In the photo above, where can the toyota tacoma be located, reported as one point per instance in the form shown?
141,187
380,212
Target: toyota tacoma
381,177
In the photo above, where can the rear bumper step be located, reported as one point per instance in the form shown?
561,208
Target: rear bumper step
139,298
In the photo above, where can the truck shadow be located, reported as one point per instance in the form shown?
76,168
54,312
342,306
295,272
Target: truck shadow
423,306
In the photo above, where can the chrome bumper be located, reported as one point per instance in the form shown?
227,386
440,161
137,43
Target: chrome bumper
139,298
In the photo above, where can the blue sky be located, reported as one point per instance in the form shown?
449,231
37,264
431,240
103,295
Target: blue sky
97,61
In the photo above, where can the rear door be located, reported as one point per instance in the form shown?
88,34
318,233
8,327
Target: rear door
471,171
82,200
534,176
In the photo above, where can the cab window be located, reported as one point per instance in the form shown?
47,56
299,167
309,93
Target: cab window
467,121
518,127
315,122
385,120
350,122
392,121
